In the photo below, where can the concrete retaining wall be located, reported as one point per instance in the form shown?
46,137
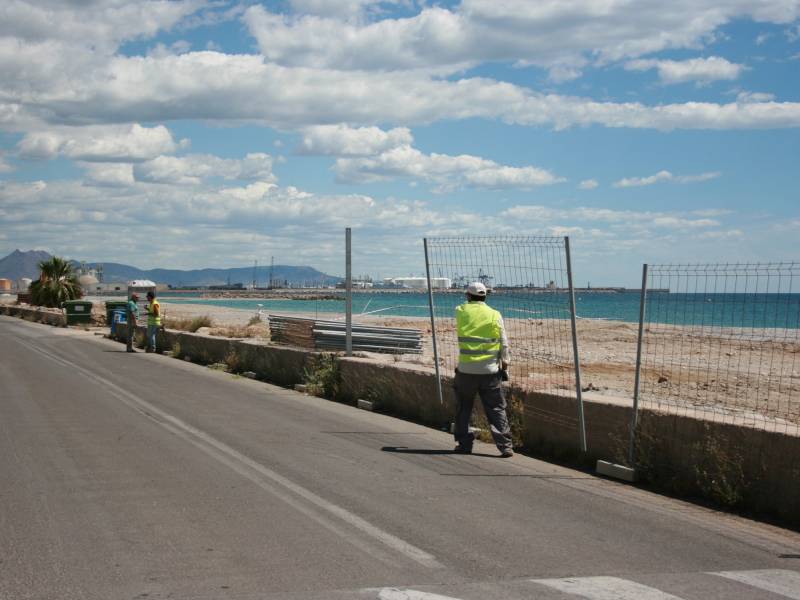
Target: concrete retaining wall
731,463
33,313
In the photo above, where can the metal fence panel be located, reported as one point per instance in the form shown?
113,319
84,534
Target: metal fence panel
723,341
529,278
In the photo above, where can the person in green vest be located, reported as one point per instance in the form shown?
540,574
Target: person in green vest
153,320
131,314
483,359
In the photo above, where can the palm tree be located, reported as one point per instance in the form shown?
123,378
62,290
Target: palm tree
56,284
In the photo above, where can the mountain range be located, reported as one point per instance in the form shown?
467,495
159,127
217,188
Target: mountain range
25,264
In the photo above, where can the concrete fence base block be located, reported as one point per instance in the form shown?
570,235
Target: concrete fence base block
300,387
616,471
365,404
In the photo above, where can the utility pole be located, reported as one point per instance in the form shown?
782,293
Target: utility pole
271,272
255,269
348,261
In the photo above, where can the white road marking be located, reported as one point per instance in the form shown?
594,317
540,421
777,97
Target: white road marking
237,461
605,588
778,581
397,594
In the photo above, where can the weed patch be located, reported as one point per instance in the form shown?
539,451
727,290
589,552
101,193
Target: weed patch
718,471
234,362
322,377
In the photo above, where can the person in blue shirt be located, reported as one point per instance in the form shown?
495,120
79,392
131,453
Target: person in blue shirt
131,314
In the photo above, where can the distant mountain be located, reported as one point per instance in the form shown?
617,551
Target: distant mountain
114,272
25,264
22,264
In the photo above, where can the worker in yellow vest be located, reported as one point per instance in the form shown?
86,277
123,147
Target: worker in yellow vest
483,359
153,320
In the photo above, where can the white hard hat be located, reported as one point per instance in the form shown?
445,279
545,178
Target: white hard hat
476,288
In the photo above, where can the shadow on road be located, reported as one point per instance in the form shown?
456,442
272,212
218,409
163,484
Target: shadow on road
430,451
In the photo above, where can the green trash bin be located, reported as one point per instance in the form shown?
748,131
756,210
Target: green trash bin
77,311
111,306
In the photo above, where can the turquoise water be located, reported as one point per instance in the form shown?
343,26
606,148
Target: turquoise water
728,310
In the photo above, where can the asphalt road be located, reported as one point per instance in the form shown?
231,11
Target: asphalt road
140,476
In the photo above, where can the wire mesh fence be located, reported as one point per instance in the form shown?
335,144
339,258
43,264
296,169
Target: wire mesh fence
723,340
528,279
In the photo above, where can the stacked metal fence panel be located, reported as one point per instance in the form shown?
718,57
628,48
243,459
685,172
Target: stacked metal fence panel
330,335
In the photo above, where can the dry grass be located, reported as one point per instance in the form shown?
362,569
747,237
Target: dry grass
189,324
258,330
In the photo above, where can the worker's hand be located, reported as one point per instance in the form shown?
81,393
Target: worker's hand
503,365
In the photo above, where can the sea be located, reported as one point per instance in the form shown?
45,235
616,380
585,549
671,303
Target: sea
721,310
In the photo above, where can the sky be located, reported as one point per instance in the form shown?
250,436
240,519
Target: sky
212,133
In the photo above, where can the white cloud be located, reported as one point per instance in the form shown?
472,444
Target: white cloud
547,34
190,86
664,177
622,218
588,184
722,235
343,9
561,74
700,70
92,22
111,174
59,63
746,97
195,168
4,166
100,143
197,227
761,38
449,172
341,140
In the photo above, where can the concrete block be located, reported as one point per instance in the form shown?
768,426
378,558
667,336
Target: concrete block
616,471
365,404
300,387
249,374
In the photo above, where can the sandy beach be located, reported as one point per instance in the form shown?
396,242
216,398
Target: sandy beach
755,371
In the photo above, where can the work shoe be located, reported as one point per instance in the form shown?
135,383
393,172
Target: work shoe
506,454
130,350
459,449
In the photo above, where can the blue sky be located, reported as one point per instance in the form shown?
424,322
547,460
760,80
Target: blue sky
200,133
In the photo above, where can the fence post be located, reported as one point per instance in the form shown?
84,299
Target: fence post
573,319
348,336
637,379
433,324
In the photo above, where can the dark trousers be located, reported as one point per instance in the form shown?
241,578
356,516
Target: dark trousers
130,329
489,388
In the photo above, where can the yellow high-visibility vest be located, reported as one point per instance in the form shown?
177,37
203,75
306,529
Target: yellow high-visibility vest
152,318
478,327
